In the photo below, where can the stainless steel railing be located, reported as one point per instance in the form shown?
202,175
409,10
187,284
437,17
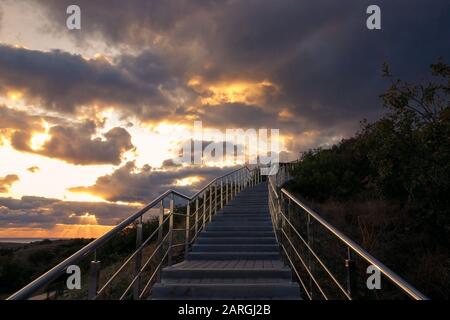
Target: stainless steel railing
134,275
327,263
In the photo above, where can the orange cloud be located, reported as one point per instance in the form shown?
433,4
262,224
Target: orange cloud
247,92
7,182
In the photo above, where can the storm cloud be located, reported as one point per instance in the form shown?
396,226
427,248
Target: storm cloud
64,82
72,142
320,54
132,184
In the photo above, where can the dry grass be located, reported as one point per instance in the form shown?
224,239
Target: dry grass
382,229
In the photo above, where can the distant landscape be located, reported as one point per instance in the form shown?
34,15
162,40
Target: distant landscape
20,263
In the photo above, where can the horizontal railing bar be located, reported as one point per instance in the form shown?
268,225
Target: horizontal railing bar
221,177
146,264
391,275
273,188
296,273
317,258
304,265
141,247
154,273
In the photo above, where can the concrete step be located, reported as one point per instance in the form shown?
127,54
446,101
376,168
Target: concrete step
234,234
233,255
226,291
240,220
241,223
234,248
244,211
251,217
238,240
174,273
212,227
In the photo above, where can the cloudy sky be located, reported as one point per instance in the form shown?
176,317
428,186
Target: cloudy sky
90,119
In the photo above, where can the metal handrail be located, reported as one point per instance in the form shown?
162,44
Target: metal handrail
51,275
388,273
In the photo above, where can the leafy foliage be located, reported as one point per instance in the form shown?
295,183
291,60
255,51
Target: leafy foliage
405,156
402,161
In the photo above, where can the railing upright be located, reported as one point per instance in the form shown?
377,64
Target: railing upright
350,274
210,203
227,190
138,261
188,229
196,217
221,194
94,275
204,210
170,247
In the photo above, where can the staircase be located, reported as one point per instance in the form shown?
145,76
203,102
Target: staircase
236,257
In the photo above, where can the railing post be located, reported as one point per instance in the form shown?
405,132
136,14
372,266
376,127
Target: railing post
309,241
160,230
196,216
137,261
169,254
239,181
350,274
161,219
221,194
216,199
210,203
289,215
188,229
94,274
282,218
204,209
242,180
226,190
231,187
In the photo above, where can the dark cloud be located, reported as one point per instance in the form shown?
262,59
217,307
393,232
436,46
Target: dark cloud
132,184
239,115
72,142
64,82
76,145
169,163
7,181
319,54
45,212
18,120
